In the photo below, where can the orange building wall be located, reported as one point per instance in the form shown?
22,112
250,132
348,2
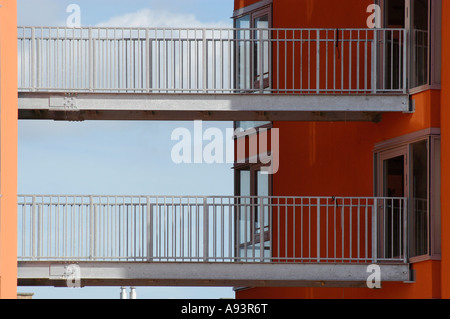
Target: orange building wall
445,145
315,13
243,3
336,159
8,149
320,13
426,287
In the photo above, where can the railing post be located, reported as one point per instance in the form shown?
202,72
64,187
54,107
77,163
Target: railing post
39,232
374,61
149,60
205,230
33,228
261,62
149,231
405,62
33,59
405,230
375,231
91,62
91,228
318,229
38,64
237,228
205,62
262,230
318,63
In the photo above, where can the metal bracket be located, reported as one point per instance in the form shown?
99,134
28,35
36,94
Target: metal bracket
68,102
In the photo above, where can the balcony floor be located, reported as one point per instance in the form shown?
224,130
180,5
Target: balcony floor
210,107
208,274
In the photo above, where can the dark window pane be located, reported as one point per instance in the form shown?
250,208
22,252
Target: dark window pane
420,43
419,210
394,186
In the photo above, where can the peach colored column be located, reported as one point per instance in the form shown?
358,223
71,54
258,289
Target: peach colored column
8,149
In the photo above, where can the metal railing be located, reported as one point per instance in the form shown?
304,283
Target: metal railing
212,229
125,60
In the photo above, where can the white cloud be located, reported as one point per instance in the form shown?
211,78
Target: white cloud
161,18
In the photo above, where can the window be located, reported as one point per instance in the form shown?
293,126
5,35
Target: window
419,198
419,42
392,184
410,167
415,17
253,53
253,220
253,57
394,17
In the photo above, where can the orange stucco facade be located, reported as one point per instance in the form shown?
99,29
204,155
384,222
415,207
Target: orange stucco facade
316,158
337,158
8,149
445,169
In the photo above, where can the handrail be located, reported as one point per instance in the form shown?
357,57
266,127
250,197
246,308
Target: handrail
222,60
212,229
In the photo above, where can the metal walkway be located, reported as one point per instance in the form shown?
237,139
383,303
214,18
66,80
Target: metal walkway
211,241
76,74
212,74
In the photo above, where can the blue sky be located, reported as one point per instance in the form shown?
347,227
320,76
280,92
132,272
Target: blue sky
109,158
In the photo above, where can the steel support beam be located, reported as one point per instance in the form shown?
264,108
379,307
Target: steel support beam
207,274
213,107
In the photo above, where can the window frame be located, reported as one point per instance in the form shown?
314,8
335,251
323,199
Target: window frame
383,219
434,43
258,9
253,168
255,11
255,232
254,8
433,137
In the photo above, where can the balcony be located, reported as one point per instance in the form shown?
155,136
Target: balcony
211,74
217,241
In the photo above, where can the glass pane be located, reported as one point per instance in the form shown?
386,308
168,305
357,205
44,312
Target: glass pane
263,191
436,196
261,60
420,43
245,215
263,184
393,176
248,75
419,210
395,13
392,44
245,125
264,208
243,53
244,183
